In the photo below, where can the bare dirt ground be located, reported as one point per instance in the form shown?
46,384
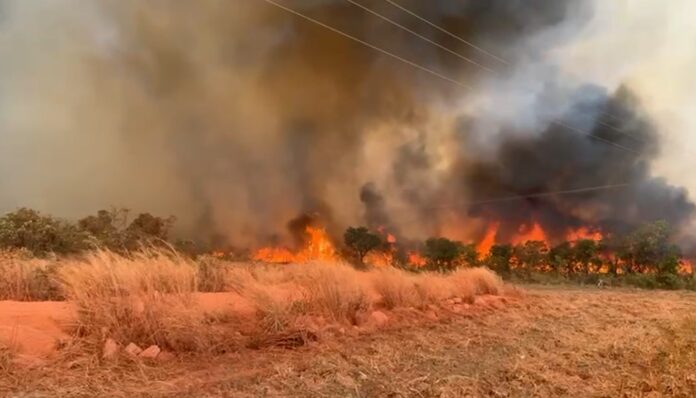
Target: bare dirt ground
552,342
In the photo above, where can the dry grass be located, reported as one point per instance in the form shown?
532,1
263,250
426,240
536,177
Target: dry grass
395,287
6,358
401,289
335,291
23,278
551,343
145,299
151,297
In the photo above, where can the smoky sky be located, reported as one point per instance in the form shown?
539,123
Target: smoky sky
238,117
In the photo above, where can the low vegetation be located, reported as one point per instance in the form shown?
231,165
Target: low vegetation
152,297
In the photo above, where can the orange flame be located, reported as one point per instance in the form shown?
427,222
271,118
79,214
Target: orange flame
379,259
484,247
583,233
318,247
416,260
526,234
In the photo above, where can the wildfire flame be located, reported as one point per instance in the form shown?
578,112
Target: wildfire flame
528,233
488,240
583,233
317,247
416,259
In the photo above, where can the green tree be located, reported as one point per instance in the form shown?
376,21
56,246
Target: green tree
361,241
500,258
40,234
561,258
648,249
532,255
147,229
443,254
106,228
586,256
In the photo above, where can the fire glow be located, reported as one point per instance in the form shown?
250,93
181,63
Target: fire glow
318,247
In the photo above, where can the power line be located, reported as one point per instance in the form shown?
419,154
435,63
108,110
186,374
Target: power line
595,137
534,195
391,21
448,32
381,50
425,69
497,58
609,142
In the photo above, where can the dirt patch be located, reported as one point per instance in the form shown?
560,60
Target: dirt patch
31,329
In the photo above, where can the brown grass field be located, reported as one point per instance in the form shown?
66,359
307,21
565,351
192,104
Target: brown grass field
310,331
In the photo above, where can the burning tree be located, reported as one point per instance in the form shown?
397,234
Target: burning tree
443,254
361,241
648,249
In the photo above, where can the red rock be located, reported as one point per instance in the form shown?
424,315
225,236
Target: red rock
133,349
150,352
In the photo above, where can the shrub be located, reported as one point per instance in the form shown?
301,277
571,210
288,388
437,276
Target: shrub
40,234
476,281
395,287
334,290
670,281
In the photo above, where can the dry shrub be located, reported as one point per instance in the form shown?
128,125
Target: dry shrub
477,281
24,278
333,290
395,287
432,288
145,298
212,274
400,289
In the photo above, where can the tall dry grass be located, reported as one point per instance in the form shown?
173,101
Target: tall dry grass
398,288
151,297
145,298
23,278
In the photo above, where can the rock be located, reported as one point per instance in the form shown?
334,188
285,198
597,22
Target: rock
110,350
457,300
150,352
431,315
133,349
379,318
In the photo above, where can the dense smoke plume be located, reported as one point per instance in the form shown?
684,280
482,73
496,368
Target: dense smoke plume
237,117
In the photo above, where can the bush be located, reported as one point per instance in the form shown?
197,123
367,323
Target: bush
40,234
443,254
670,281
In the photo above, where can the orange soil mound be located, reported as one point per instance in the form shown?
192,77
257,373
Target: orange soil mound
31,329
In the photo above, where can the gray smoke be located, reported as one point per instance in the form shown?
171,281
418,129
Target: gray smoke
237,117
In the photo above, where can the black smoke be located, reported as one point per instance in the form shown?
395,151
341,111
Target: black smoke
603,140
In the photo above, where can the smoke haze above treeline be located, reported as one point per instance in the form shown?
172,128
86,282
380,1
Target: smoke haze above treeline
238,116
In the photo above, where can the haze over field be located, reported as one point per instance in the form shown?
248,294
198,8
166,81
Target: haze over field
238,116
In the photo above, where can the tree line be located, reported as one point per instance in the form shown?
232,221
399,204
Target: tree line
646,250
42,234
